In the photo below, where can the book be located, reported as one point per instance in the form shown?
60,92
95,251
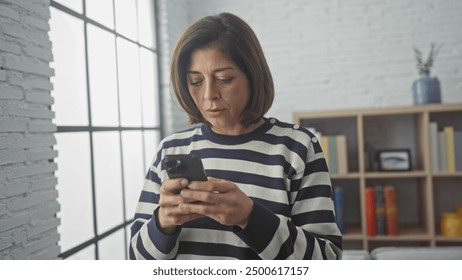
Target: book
342,154
371,226
332,155
449,136
339,200
380,210
325,148
391,213
458,149
433,135
442,152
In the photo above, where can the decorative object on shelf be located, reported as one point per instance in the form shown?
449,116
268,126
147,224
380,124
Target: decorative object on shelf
426,89
394,160
451,224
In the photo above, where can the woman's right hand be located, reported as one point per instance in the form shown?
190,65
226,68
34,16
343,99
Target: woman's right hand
170,215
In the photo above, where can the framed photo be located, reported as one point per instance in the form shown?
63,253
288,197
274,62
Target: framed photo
394,160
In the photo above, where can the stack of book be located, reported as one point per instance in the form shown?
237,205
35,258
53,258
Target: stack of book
381,211
335,152
445,148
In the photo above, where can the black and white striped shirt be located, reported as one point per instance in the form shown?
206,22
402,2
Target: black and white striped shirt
280,166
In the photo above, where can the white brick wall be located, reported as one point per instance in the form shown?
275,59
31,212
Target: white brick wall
28,197
174,18
346,54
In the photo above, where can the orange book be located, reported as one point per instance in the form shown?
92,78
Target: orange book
391,214
370,212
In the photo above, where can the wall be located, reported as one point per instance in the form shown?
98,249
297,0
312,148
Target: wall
28,205
174,18
335,54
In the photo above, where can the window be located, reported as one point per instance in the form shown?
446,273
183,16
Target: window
107,114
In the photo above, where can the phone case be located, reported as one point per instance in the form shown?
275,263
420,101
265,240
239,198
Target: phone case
187,166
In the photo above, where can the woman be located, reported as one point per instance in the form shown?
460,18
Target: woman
268,194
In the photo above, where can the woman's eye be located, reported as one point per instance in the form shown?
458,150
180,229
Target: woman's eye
225,80
195,83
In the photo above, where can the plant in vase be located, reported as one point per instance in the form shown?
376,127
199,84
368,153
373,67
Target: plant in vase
426,89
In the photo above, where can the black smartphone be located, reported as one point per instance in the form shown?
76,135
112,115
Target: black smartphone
187,166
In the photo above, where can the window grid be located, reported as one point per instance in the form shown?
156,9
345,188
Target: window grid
92,129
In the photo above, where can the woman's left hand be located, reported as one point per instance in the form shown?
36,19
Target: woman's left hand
218,199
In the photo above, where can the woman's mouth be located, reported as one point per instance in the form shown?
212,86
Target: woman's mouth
214,111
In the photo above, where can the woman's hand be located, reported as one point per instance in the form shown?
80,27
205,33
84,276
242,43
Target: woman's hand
170,215
218,199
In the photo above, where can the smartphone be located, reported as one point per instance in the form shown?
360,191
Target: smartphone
187,166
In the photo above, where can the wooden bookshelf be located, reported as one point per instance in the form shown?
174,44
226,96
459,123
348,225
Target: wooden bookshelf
422,194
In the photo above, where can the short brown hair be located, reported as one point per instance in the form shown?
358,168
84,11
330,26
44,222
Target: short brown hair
236,39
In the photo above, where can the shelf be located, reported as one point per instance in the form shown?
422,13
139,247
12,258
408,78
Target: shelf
447,175
421,194
441,238
406,233
401,237
410,174
345,176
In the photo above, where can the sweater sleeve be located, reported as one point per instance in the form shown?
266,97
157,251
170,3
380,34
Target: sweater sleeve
147,240
310,232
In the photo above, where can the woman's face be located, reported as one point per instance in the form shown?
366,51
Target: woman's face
220,90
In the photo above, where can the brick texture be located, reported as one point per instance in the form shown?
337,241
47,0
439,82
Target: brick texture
28,195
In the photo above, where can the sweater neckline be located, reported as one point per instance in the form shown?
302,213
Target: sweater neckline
236,139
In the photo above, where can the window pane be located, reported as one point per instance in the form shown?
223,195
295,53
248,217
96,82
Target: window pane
86,254
134,170
75,5
103,77
128,237
151,140
101,11
129,83
125,12
74,187
113,246
149,89
69,82
107,180
146,23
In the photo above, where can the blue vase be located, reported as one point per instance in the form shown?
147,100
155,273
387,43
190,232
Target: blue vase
426,90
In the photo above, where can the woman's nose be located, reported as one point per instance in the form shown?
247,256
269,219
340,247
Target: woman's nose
211,91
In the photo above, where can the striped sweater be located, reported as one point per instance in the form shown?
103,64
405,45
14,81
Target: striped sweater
280,166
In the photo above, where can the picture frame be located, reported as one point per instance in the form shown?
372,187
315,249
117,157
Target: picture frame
394,160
